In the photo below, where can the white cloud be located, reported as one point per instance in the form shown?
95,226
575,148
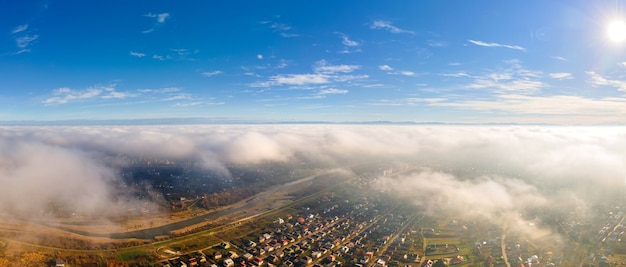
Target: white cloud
159,57
181,51
456,74
561,75
433,43
280,27
19,29
300,79
259,56
160,17
385,67
116,95
288,35
559,58
325,92
211,73
282,64
488,174
345,40
333,91
178,97
160,20
161,90
137,54
485,44
65,95
410,101
190,104
385,25
25,41
389,70
283,29
513,78
546,105
520,85
598,80
323,74
346,78
322,67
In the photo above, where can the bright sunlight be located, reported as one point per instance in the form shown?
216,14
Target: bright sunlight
617,31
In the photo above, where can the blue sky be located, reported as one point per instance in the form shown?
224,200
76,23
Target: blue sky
422,61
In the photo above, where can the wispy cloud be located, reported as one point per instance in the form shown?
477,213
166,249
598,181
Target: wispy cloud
433,43
65,95
345,40
282,29
326,92
160,17
198,103
19,29
24,42
282,64
545,105
300,79
116,95
159,57
597,80
513,78
161,90
160,20
387,26
137,54
385,67
307,79
559,58
349,46
561,75
409,101
333,91
181,51
323,73
323,67
457,74
485,44
181,96
211,73
389,70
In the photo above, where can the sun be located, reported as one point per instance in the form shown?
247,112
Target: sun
617,31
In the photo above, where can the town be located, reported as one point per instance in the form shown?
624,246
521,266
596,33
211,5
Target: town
337,218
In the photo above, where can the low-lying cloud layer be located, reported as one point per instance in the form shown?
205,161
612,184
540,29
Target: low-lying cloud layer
477,169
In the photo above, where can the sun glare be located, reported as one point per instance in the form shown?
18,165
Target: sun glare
617,31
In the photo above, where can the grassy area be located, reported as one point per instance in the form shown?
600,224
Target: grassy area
130,254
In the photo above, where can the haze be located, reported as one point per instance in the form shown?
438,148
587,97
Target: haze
470,167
